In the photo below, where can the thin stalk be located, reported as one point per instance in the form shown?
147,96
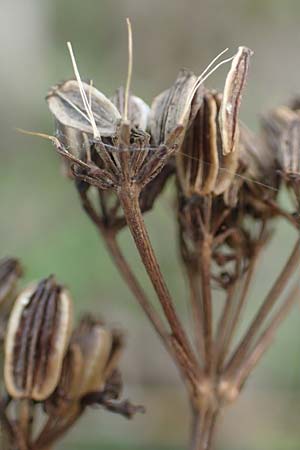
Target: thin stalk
129,201
222,327
266,338
46,440
126,273
196,429
196,311
205,274
136,289
25,416
266,307
203,429
232,317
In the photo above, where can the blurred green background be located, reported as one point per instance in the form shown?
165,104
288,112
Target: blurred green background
41,221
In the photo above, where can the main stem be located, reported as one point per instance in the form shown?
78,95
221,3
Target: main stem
110,239
129,196
203,429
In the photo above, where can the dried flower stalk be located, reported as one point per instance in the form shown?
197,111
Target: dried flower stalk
227,182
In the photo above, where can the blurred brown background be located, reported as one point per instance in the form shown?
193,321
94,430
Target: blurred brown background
40,217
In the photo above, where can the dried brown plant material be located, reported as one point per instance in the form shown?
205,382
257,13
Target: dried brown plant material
167,108
138,110
101,349
65,399
209,154
10,272
36,340
232,94
92,358
227,195
282,133
260,176
68,107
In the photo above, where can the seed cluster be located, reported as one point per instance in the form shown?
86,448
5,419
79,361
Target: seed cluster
120,154
53,372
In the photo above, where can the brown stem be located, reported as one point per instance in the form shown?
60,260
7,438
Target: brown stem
127,274
266,307
47,437
203,429
222,327
231,318
196,430
266,338
195,302
136,289
205,274
129,200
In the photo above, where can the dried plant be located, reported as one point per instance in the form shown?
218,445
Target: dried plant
120,154
52,372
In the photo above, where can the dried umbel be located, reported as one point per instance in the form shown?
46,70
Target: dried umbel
120,154
36,340
281,131
209,155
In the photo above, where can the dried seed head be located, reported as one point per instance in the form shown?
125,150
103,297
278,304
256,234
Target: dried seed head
167,108
232,94
88,366
10,272
36,340
67,106
101,350
202,166
138,110
258,159
201,156
281,130
76,142
65,399
208,161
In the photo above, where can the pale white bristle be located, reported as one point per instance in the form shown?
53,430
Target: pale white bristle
83,94
129,72
200,80
90,94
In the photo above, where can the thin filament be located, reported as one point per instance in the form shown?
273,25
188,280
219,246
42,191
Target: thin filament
200,80
129,72
83,94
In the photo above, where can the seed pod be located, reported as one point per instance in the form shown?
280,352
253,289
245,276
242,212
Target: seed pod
98,345
10,272
138,110
232,95
36,340
282,134
168,107
208,161
67,106
258,159
202,166
65,399
75,141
